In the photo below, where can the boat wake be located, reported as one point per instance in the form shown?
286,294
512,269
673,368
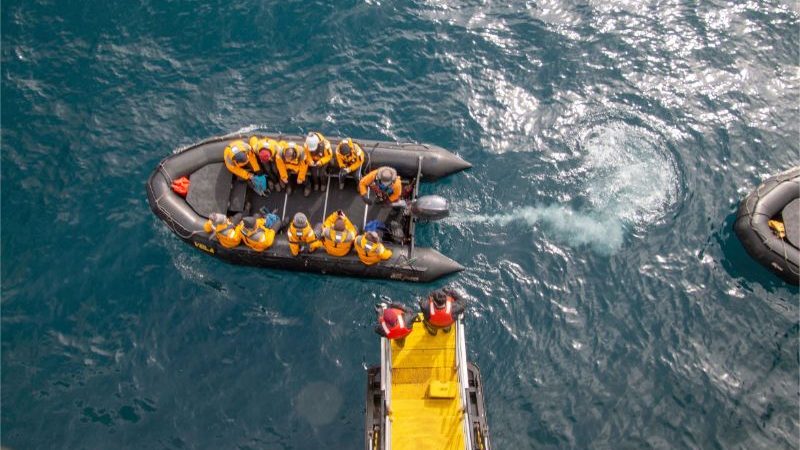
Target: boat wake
602,234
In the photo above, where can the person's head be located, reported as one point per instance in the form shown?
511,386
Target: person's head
313,143
338,225
373,237
386,175
264,155
249,222
346,147
217,218
390,317
300,220
239,155
291,151
439,298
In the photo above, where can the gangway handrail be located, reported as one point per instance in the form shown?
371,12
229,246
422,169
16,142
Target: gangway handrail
463,381
386,387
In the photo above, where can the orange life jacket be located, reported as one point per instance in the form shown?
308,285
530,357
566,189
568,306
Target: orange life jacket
399,329
441,317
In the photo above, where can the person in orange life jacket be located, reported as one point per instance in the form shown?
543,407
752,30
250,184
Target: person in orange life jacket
319,150
338,234
266,149
227,231
385,184
258,232
293,159
370,249
395,322
349,159
241,160
440,310
302,236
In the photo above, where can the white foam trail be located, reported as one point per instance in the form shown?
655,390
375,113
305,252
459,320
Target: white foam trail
603,234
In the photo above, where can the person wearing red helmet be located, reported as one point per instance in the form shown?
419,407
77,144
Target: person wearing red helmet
440,310
395,322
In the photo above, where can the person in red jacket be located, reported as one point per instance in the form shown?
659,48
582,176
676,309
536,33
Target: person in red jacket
395,322
440,310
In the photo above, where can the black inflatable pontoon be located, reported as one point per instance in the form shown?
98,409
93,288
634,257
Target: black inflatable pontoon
214,189
778,200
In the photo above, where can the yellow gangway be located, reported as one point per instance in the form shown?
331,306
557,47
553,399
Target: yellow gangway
425,407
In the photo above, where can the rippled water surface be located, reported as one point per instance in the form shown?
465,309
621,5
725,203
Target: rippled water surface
610,304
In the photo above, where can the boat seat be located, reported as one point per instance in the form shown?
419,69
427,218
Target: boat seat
238,196
791,222
209,189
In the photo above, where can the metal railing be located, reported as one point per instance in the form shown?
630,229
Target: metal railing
386,387
463,381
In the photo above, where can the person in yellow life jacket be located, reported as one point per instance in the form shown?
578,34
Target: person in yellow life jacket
384,183
338,234
302,236
395,322
258,232
267,149
227,231
440,310
370,249
349,159
295,160
319,149
242,161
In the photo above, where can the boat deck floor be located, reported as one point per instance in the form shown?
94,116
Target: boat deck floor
318,205
420,421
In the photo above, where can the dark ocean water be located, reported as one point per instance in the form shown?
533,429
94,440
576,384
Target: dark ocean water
610,304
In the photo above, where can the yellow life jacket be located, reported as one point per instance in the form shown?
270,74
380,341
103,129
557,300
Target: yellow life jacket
371,252
302,238
226,233
338,243
259,238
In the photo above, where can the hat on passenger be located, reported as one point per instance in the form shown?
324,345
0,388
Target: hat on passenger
345,147
264,155
338,225
239,155
312,141
249,222
386,175
390,317
300,220
217,218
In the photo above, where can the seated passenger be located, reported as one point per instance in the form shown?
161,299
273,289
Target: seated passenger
349,158
258,232
338,234
295,160
440,310
242,161
227,231
267,149
385,184
319,149
395,322
370,249
302,236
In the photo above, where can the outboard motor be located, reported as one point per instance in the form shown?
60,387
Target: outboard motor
429,207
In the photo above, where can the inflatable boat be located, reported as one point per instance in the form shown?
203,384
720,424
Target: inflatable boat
768,224
426,394
212,188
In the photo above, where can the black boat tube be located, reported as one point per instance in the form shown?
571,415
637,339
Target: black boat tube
425,265
752,225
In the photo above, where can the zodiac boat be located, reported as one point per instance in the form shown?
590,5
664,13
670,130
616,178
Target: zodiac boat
768,224
426,394
212,188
